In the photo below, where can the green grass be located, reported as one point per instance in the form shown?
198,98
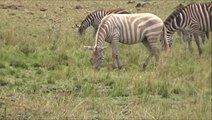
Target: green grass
45,72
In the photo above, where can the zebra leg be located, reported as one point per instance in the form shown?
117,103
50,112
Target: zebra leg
197,40
202,35
147,61
118,62
189,40
205,34
115,57
153,51
187,36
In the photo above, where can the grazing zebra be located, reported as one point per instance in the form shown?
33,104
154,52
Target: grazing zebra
197,17
94,19
187,36
127,29
199,38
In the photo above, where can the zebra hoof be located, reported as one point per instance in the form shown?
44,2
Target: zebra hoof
120,67
200,52
144,66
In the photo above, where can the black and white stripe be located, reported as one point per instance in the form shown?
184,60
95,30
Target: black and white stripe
94,18
199,38
187,36
127,29
196,17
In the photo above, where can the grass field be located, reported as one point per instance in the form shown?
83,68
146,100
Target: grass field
45,72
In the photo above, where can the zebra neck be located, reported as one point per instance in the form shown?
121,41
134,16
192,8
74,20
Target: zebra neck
99,43
170,30
174,23
101,36
170,33
86,23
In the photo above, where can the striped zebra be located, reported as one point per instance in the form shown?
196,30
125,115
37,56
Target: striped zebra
199,38
197,17
127,29
94,18
187,36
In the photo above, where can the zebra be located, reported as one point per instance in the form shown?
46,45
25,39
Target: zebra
127,29
199,38
187,36
94,18
195,16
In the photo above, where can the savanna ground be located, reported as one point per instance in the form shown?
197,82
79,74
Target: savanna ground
45,72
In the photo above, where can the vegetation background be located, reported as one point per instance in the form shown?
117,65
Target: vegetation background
45,72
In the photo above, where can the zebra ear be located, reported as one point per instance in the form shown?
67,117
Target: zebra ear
77,26
89,47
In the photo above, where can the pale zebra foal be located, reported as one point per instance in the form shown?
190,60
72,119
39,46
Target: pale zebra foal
199,38
197,17
94,18
127,29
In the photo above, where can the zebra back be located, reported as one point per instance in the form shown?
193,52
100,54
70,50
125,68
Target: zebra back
177,10
184,9
117,11
94,18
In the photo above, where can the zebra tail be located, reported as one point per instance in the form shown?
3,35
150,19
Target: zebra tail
166,46
207,34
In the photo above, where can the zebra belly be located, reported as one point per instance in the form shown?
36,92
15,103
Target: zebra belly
129,42
130,38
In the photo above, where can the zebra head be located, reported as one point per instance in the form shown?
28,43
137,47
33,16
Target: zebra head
186,34
97,56
91,19
82,28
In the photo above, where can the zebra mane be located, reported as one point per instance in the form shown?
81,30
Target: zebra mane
106,11
117,10
92,14
178,9
96,11
180,6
